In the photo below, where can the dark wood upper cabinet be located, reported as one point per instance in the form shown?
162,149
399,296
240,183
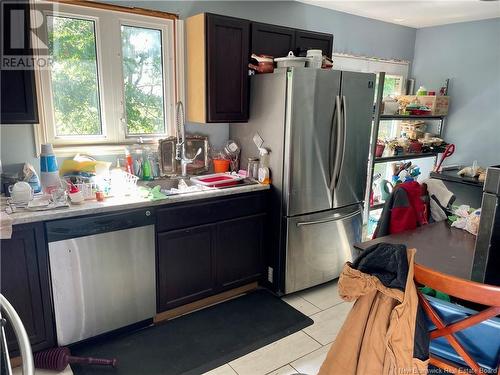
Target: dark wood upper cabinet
25,284
218,50
18,104
272,40
305,40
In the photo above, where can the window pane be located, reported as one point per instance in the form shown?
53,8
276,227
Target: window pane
75,88
392,86
143,80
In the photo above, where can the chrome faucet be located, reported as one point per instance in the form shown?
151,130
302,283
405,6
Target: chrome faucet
180,146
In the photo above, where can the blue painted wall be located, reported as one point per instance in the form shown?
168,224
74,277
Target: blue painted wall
353,34
469,54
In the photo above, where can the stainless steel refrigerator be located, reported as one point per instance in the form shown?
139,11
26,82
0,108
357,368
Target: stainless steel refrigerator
317,125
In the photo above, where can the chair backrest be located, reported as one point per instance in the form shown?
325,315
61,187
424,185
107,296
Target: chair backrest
487,295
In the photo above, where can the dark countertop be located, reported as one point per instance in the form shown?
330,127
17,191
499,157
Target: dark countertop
452,176
439,246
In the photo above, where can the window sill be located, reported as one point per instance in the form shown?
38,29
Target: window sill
95,150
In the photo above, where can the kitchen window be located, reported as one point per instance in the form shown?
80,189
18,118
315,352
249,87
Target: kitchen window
111,78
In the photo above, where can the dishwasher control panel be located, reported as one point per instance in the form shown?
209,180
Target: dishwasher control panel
90,225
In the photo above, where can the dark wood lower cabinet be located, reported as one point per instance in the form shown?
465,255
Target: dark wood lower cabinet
239,251
185,265
25,284
209,258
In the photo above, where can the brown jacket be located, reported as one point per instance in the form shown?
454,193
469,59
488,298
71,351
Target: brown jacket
383,334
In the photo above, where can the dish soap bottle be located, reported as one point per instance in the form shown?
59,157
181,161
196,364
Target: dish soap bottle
264,175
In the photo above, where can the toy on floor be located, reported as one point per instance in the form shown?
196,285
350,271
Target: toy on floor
57,359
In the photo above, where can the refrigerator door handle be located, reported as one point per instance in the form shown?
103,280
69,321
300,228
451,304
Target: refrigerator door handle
342,217
335,119
337,148
342,141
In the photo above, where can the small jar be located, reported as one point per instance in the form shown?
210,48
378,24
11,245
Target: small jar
253,168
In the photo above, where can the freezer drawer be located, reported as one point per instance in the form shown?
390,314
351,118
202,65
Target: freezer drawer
318,245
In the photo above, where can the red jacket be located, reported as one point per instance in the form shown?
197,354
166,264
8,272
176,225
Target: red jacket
404,210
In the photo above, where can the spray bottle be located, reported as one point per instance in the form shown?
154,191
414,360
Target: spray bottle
264,172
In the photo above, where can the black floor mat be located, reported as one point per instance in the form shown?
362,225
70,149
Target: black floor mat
198,342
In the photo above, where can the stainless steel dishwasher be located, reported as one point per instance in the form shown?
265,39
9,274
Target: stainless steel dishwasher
102,273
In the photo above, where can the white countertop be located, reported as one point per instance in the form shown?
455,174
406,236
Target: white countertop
23,216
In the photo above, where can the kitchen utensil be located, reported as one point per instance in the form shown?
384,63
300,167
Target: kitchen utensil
314,58
99,195
58,359
21,193
59,195
221,165
391,106
379,149
261,63
232,149
448,151
290,61
88,190
253,167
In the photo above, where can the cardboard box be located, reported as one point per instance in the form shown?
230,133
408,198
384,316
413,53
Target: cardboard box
438,104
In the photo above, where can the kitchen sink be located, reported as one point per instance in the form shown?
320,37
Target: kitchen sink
176,185
183,185
171,183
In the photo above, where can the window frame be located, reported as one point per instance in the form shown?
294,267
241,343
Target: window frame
110,76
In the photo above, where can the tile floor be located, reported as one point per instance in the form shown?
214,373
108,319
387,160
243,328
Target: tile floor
302,352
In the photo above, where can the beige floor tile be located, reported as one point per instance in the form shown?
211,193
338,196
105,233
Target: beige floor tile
322,296
327,323
222,370
285,370
299,303
66,371
311,363
275,355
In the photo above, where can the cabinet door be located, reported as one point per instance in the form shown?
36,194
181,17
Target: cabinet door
185,270
239,251
227,67
25,284
305,40
272,40
18,103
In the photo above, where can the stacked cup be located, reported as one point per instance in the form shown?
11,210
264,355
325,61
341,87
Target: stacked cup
49,175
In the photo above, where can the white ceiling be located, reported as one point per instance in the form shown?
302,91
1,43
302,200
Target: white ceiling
416,14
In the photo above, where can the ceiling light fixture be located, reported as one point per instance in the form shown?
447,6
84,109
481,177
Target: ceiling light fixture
399,19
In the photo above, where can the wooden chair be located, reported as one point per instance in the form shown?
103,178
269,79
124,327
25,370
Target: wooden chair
487,295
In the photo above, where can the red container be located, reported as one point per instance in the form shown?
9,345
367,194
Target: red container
379,149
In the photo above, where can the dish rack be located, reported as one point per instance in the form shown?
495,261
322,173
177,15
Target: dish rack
122,183
88,189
